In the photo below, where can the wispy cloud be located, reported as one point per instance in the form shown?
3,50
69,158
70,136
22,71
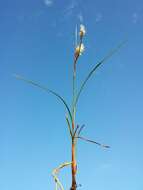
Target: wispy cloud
71,13
98,17
70,9
106,166
48,3
135,17
74,11
80,17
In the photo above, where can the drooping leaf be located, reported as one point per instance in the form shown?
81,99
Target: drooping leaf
55,173
47,90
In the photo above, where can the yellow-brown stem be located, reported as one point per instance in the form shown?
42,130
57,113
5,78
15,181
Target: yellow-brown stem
73,165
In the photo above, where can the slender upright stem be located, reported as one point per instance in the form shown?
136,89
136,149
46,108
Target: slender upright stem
73,165
73,148
76,56
74,94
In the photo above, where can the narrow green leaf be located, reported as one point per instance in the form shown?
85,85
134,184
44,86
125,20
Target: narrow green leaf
80,130
47,90
91,141
68,123
77,127
109,55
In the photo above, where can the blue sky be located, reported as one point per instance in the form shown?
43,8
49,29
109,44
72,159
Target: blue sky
36,41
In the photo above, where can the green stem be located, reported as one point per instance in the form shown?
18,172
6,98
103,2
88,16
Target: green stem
74,81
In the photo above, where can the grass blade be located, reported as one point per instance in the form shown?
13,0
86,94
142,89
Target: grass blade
69,128
75,131
47,90
109,55
82,127
91,141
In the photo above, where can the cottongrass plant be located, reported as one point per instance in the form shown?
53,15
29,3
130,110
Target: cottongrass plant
74,129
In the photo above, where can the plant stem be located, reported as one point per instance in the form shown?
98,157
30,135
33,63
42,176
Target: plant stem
73,148
73,156
74,165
